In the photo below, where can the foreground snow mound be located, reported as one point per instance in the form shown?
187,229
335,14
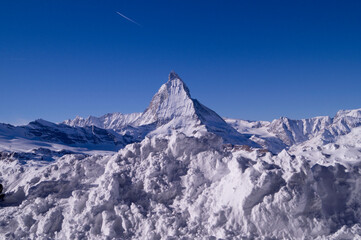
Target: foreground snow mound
181,187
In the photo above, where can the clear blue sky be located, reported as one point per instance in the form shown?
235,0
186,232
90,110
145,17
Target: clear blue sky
256,60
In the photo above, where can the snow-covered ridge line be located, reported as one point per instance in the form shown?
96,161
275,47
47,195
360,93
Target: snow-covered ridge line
292,132
172,108
276,135
107,121
45,134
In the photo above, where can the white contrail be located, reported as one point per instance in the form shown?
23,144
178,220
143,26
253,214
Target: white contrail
129,19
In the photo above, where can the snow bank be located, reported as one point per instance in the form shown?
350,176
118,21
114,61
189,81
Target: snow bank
180,187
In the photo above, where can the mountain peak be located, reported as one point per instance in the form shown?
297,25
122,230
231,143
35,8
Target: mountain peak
173,108
172,100
175,86
173,75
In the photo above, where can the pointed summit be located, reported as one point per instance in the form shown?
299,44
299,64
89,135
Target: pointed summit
175,85
173,75
172,108
172,100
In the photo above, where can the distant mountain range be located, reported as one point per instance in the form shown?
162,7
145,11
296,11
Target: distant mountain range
173,109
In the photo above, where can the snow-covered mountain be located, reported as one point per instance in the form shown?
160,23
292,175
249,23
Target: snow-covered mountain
43,133
182,172
107,121
171,109
291,132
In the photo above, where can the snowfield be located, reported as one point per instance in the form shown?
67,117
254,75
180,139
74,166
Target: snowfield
181,187
183,172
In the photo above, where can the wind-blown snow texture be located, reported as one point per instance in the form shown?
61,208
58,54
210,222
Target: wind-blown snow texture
185,173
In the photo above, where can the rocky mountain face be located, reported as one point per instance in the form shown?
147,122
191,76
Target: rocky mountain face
182,172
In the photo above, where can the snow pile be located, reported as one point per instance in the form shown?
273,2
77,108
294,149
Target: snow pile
179,186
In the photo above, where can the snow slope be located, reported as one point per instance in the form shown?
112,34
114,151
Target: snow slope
181,187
